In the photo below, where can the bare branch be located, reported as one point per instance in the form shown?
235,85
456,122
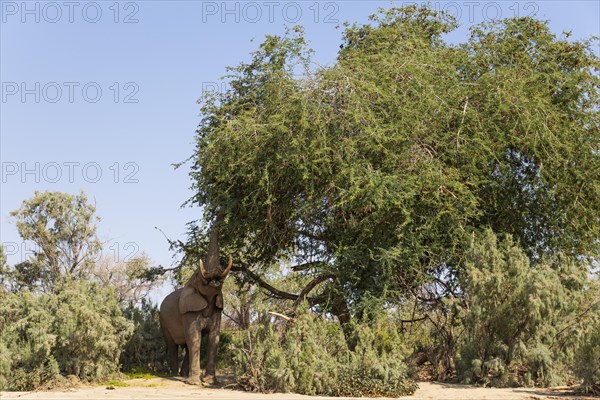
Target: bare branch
281,316
280,294
311,285
305,266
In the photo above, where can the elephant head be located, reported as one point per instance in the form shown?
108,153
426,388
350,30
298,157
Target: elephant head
202,288
209,284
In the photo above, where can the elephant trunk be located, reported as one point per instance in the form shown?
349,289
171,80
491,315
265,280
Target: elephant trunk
212,259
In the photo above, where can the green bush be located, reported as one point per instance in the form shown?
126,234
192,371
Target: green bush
5,363
587,363
145,350
271,358
310,356
521,322
27,341
91,330
376,367
79,329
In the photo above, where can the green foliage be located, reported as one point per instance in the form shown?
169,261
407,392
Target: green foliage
78,329
309,355
521,321
91,330
64,311
4,270
145,349
380,165
376,367
587,362
538,95
27,340
62,228
268,360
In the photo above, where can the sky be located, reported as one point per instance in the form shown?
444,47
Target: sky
101,96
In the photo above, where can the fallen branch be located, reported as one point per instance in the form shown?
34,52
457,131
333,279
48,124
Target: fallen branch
281,316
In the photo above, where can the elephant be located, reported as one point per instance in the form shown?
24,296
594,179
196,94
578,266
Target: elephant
188,312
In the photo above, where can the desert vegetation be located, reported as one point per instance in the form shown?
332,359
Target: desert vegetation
416,210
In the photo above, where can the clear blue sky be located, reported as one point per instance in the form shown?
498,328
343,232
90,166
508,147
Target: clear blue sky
150,59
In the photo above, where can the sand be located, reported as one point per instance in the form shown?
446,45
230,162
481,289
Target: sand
174,388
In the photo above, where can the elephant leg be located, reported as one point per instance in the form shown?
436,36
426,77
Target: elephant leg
192,338
185,366
210,375
171,354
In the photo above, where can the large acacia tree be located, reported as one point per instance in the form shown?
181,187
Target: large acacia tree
371,174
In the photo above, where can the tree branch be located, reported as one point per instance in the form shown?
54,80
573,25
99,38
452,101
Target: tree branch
280,294
310,235
311,285
305,266
410,321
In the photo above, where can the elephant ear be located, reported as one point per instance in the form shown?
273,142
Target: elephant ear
191,300
219,301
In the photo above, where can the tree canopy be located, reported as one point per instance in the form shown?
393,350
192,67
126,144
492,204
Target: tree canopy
377,169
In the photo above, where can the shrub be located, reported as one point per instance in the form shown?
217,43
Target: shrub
145,350
271,358
376,367
28,341
521,321
78,329
310,356
91,330
587,363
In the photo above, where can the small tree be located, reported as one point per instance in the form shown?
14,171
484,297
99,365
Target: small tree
91,329
26,341
130,279
145,349
62,228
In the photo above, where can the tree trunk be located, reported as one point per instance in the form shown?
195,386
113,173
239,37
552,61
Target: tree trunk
340,310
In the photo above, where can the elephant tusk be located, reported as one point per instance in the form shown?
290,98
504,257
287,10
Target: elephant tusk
228,268
202,270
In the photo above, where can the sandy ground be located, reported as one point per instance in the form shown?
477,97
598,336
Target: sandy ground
173,388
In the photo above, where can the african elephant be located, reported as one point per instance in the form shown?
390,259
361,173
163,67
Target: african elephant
191,310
